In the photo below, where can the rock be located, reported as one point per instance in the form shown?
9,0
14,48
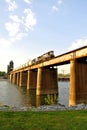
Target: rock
57,107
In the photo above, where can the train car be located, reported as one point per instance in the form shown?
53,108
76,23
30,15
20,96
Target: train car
44,57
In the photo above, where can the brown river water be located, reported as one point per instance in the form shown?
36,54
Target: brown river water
13,95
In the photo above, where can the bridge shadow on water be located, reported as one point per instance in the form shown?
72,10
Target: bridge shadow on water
30,98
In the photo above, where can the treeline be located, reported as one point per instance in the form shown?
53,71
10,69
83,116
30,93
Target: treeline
63,77
60,75
2,73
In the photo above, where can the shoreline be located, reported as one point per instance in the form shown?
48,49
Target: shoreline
63,79
53,107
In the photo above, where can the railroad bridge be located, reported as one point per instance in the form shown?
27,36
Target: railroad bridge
43,76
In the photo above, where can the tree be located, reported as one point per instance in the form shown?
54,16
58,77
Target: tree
2,73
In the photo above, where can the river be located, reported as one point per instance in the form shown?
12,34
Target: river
13,95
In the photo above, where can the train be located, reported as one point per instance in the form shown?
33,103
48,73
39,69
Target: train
47,56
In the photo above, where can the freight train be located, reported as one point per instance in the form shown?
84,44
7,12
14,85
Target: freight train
47,56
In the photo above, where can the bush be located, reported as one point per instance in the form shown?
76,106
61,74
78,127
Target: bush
51,99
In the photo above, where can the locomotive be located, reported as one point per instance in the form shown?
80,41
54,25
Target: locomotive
47,56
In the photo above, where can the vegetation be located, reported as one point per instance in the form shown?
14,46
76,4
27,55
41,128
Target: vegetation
63,75
57,120
2,73
51,99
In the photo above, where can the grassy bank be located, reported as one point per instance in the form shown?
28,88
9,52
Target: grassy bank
58,120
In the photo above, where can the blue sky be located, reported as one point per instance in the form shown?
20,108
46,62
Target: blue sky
29,28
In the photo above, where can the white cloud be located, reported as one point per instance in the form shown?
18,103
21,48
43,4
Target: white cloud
19,27
7,0
12,28
15,18
60,2
27,1
20,35
54,8
11,5
78,43
29,20
15,33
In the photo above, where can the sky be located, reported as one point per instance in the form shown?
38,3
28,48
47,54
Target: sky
30,28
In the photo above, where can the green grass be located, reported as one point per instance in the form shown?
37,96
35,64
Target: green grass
57,120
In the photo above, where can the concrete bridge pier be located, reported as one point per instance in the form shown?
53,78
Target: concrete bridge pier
23,79
82,81
47,81
11,78
78,81
14,78
72,96
18,77
32,79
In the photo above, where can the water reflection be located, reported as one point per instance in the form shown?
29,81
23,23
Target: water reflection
13,95
32,100
63,97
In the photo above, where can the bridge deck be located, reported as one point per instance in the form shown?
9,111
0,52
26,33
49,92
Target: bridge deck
58,60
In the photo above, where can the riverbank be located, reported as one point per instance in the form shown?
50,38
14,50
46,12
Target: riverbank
40,120
52,117
54,107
